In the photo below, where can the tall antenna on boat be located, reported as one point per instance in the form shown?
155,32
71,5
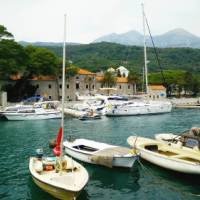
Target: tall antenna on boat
63,80
145,51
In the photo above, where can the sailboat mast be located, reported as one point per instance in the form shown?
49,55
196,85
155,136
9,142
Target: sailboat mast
63,79
145,52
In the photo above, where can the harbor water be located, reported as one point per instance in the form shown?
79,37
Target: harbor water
18,141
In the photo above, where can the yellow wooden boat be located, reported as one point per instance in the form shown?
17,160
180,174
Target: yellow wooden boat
166,156
64,181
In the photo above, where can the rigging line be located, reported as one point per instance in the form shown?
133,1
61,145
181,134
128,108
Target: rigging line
156,53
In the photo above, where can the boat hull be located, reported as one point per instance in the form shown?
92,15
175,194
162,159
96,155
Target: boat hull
31,116
65,184
139,110
118,161
170,164
56,192
168,157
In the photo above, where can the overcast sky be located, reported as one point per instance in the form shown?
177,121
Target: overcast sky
42,20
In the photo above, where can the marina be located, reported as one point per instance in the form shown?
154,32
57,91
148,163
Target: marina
147,182
99,116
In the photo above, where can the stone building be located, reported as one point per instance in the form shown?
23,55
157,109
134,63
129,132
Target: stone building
157,92
83,83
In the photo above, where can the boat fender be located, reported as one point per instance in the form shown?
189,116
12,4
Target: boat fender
58,166
38,166
64,164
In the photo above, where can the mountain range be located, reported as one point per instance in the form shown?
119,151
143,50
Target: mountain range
42,44
174,38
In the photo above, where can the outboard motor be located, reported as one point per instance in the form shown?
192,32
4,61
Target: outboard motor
39,153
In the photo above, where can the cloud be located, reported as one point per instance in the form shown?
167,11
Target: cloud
42,20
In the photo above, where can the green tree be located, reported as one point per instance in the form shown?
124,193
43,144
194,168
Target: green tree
109,79
71,71
41,62
134,79
4,33
13,58
22,89
188,82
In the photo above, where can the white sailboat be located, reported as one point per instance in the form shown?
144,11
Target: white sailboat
141,107
60,176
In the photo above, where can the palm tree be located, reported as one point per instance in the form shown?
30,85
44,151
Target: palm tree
134,79
109,79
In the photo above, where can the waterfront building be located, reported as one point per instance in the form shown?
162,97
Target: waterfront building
157,92
83,83
122,71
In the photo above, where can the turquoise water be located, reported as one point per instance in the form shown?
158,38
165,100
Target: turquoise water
20,139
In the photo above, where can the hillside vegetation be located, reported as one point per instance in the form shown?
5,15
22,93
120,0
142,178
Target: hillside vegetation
100,56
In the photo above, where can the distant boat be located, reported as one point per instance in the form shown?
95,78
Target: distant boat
100,153
60,176
141,107
90,115
166,156
41,110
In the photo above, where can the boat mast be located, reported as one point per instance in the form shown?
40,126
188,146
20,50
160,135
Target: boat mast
63,80
145,51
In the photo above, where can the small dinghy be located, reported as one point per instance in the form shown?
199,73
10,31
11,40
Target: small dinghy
100,153
58,177
91,115
166,156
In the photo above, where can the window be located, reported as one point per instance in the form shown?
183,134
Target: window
60,97
37,86
49,86
120,87
77,85
67,97
92,86
77,77
86,86
158,96
49,97
129,86
60,77
60,86
67,86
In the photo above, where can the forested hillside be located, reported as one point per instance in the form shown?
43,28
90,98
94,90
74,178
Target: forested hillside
100,56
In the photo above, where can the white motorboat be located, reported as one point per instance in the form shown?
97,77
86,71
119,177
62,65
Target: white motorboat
100,153
166,156
140,108
60,176
42,110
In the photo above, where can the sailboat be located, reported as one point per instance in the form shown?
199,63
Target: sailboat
60,176
141,107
